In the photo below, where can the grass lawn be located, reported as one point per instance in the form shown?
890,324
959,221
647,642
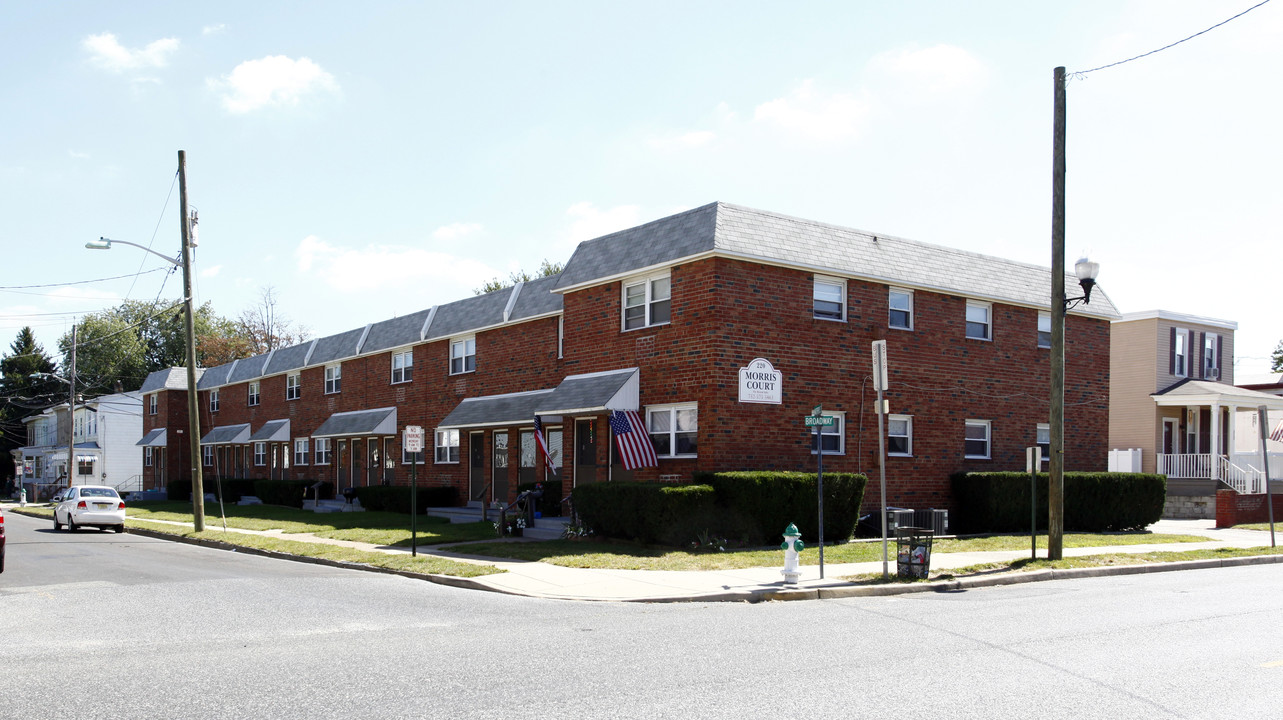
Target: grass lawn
379,528
1278,526
627,556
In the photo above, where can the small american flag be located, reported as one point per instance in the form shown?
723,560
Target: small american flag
635,448
1277,435
543,446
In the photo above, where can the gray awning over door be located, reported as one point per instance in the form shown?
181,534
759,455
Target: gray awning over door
593,393
359,422
227,435
153,438
495,410
272,431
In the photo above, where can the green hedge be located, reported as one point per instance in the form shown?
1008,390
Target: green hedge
646,512
179,490
761,504
396,498
233,488
288,492
550,503
1094,502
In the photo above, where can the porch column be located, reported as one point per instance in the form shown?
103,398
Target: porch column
1215,442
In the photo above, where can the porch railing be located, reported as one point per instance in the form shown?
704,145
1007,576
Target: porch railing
1186,465
1246,480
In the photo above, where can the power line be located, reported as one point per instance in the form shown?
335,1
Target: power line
80,282
1165,47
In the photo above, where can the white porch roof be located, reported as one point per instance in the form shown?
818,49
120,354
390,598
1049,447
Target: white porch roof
1205,392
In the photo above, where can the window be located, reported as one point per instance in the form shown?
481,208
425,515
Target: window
463,355
829,298
674,430
85,467
333,379
900,303
447,446
1180,352
899,435
831,435
978,321
300,451
1042,438
1211,364
152,403
647,301
322,451
554,446
213,400
403,367
977,439
146,460
253,393
292,391
1044,330
260,453
207,455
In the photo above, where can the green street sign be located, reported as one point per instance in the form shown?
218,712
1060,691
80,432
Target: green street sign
823,420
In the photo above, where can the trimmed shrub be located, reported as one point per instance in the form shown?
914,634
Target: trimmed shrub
233,488
645,512
287,492
179,490
1094,502
760,505
396,498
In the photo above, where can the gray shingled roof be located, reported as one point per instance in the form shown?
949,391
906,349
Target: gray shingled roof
495,410
227,435
612,390
174,378
287,358
248,369
537,299
154,438
381,421
463,316
215,376
272,431
336,347
397,332
734,231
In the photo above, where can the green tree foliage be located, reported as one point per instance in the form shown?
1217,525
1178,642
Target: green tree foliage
21,394
1276,360
546,268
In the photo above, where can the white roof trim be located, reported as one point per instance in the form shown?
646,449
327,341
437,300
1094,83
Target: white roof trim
1182,318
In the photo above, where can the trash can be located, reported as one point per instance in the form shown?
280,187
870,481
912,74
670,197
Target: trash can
913,552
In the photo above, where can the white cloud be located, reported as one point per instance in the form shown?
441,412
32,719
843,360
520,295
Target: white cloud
213,29
589,222
813,114
274,80
684,141
930,72
107,52
379,267
211,271
77,155
454,231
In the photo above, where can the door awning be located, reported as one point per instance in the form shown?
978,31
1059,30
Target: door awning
495,410
272,431
359,422
154,438
86,458
1205,392
593,393
227,435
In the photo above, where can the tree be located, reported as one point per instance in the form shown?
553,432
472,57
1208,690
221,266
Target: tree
21,394
265,328
546,269
1276,360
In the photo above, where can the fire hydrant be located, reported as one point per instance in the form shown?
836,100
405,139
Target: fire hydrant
791,546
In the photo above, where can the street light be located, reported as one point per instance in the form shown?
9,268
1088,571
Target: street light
193,417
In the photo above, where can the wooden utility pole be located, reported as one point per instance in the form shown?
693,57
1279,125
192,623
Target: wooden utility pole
193,406
1056,469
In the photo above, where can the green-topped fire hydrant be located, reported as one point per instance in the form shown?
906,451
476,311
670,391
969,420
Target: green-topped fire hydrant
791,546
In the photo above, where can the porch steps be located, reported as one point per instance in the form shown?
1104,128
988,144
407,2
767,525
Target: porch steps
546,528
333,506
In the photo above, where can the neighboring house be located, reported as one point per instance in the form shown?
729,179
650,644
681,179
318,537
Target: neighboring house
1172,396
722,327
104,432
165,448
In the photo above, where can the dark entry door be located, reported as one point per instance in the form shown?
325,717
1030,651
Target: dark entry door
342,478
477,468
499,466
358,461
375,461
529,454
585,452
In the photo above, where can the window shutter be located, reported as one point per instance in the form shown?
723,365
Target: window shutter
1220,358
1171,354
1202,354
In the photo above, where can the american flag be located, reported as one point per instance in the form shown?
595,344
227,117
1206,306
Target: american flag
1277,435
543,446
635,448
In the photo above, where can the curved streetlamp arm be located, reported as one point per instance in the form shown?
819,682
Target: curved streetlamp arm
105,244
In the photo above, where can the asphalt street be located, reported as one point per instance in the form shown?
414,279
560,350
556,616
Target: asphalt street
105,625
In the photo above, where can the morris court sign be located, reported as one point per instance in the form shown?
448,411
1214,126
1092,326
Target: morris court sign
760,382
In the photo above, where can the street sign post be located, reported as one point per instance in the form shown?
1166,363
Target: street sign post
1033,462
412,441
816,420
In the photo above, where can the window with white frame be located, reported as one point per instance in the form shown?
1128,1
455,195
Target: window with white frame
831,436
674,429
260,454
447,446
463,355
293,386
402,366
976,442
1042,438
207,455
152,403
146,460
254,395
213,400
322,451
979,321
829,298
1180,352
333,379
300,451
648,301
408,457
900,435
900,308
1211,362
1044,330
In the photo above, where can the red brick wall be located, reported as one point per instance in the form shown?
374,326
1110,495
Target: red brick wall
1235,509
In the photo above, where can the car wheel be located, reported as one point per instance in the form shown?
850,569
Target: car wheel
120,528
71,524
56,525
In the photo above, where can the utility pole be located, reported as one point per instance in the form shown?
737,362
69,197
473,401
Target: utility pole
1056,469
193,405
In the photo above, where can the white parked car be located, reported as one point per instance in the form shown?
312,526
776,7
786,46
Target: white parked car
90,505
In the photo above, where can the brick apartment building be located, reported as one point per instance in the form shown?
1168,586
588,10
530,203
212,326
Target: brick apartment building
662,318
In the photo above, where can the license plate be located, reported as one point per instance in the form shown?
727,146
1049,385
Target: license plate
103,506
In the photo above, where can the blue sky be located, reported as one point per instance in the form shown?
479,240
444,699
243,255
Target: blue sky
372,159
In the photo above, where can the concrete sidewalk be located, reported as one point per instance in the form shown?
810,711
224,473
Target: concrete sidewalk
544,580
